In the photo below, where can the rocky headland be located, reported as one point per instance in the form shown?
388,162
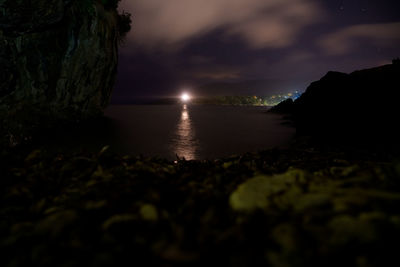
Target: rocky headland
360,107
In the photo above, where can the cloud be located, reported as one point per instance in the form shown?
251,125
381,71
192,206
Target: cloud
260,23
350,38
217,74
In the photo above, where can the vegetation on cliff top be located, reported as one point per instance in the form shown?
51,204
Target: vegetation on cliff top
124,18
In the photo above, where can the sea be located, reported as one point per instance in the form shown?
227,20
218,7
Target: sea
194,132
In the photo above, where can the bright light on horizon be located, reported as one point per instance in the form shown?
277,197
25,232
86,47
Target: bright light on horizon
185,97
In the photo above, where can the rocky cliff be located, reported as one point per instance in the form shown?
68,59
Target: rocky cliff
58,58
362,105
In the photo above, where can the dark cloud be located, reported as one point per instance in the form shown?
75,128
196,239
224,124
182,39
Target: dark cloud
177,44
216,73
348,39
260,23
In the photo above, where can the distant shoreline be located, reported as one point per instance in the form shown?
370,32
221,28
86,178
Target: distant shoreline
212,100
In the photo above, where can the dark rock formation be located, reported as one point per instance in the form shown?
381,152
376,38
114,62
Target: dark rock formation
59,54
58,58
285,107
362,105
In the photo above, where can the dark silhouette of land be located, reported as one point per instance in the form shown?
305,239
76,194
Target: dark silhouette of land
361,107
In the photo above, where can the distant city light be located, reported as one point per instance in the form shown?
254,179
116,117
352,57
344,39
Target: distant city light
185,97
273,100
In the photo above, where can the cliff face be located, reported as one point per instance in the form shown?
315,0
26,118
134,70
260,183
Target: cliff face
362,106
57,57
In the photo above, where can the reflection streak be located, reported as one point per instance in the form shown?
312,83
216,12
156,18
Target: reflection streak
184,141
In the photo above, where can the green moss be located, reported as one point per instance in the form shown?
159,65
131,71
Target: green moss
260,192
149,212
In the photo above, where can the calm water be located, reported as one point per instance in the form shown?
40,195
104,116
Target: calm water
195,131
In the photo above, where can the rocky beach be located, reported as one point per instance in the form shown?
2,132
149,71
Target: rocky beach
331,198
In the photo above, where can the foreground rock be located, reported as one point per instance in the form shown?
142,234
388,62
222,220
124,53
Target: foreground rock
58,58
274,208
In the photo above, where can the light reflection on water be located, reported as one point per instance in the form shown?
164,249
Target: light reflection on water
197,132
185,144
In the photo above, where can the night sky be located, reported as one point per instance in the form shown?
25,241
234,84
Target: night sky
178,45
